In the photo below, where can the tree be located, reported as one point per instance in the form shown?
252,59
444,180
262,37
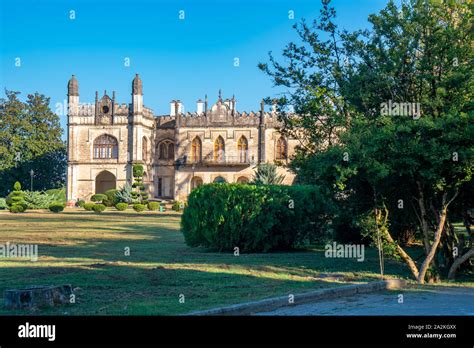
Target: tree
30,139
405,94
266,174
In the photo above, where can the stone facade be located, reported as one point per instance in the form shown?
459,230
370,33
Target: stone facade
179,151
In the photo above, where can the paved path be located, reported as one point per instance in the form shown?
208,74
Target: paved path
442,301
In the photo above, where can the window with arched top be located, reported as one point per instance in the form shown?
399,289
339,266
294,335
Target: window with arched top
196,150
281,149
171,151
219,149
242,149
105,147
196,182
242,180
144,149
220,180
165,150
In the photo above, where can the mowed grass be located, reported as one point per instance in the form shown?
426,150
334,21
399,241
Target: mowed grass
87,250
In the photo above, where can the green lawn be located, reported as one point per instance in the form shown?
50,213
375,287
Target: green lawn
86,250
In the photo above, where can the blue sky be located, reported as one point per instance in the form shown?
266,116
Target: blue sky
177,59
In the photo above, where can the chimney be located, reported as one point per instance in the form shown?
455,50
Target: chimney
200,107
172,108
274,107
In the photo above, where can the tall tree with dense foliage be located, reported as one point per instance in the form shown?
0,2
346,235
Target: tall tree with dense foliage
30,139
406,85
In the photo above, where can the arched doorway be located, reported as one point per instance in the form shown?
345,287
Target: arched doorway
104,181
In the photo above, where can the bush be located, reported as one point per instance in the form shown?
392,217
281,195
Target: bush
138,170
139,207
16,198
125,194
38,200
80,203
3,204
58,195
99,197
121,206
255,218
153,206
111,198
88,206
98,208
56,207
17,208
177,206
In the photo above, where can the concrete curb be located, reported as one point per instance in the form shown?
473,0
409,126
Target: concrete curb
270,304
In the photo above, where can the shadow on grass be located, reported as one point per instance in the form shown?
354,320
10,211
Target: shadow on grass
122,290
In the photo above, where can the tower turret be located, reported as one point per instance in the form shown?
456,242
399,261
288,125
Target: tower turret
137,95
73,96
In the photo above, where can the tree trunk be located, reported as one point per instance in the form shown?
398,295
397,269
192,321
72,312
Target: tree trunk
423,218
458,262
434,246
405,257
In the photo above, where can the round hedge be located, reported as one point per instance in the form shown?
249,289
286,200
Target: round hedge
98,208
153,206
56,207
121,206
99,197
139,207
88,206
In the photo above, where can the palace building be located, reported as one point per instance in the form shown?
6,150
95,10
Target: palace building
179,151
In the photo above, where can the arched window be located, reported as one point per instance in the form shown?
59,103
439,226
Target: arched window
166,150
196,182
170,151
281,150
242,149
144,149
242,180
219,149
219,180
196,150
105,146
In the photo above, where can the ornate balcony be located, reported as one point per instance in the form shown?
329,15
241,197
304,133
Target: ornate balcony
221,160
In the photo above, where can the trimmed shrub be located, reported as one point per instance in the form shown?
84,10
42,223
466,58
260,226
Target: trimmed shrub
138,170
56,207
99,197
16,198
121,206
98,208
255,218
111,199
153,206
88,206
3,204
177,206
80,203
16,208
139,207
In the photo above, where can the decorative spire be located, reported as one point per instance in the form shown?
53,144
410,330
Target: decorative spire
220,94
137,86
73,87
